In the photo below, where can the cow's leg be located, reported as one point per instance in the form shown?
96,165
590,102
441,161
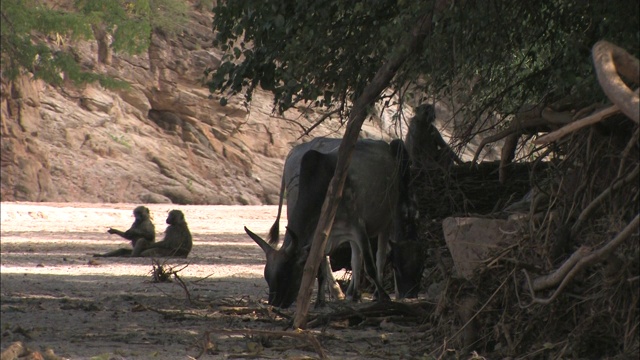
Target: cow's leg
322,273
370,268
381,258
334,288
353,292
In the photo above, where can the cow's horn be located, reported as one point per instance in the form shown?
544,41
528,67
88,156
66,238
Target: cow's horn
263,244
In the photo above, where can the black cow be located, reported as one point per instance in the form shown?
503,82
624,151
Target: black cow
367,210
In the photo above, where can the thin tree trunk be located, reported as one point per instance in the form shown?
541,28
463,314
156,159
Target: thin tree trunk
358,113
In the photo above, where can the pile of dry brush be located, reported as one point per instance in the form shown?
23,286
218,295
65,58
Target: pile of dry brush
569,287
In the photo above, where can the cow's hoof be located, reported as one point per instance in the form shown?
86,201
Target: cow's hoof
384,298
354,298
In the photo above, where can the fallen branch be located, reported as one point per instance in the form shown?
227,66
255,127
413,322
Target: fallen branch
444,347
589,209
577,125
519,126
553,279
299,334
584,260
183,286
375,310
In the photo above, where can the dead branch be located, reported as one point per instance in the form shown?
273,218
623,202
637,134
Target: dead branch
519,126
375,310
507,155
182,285
577,125
627,150
610,60
585,259
299,334
444,348
553,279
589,209
317,123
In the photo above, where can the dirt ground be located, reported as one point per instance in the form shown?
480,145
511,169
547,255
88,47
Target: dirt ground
55,295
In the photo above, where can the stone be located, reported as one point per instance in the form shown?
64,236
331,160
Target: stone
472,240
96,100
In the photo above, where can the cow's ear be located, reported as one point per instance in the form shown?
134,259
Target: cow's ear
304,255
263,244
293,245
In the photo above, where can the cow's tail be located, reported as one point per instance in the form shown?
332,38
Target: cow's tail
406,196
274,233
399,151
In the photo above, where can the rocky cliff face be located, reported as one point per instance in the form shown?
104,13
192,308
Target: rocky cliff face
166,139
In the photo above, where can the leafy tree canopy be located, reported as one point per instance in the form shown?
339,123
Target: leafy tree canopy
27,25
500,53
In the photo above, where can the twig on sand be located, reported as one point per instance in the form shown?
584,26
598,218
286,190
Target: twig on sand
300,334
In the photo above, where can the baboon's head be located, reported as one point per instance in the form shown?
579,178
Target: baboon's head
175,217
141,213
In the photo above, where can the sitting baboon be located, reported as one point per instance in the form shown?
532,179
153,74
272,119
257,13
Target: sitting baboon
424,142
141,233
177,240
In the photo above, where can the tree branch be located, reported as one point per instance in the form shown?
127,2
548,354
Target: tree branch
584,215
584,259
577,125
610,60
317,123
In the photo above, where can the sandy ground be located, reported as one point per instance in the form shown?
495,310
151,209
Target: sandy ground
55,295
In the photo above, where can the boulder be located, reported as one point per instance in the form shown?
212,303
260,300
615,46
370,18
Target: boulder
471,241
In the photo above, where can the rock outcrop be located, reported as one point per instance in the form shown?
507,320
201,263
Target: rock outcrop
165,139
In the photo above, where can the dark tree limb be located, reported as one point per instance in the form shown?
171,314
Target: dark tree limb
595,204
357,116
520,126
579,124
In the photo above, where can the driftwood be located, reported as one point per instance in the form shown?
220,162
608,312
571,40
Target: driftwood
582,258
526,123
610,60
298,334
577,125
375,312
589,209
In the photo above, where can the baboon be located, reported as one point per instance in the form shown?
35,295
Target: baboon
141,234
424,143
177,240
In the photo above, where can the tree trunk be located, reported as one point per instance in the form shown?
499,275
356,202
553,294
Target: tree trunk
357,115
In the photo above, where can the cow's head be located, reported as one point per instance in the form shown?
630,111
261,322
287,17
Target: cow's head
408,266
407,251
283,270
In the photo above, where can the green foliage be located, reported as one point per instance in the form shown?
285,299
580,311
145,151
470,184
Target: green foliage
319,51
33,34
536,52
500,52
